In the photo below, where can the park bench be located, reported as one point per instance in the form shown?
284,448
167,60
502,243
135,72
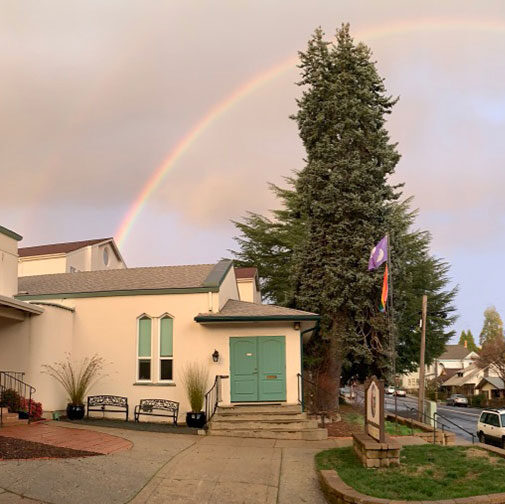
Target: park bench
157,407
110,403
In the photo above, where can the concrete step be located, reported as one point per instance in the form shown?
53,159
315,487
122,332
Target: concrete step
270,417
12,419
4,411
265,410
305,434
263,424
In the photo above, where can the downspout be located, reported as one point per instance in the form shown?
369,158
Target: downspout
310,329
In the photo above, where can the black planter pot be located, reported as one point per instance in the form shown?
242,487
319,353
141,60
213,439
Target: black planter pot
75,411
23,415
196,420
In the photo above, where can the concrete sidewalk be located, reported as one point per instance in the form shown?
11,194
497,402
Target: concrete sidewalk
174,468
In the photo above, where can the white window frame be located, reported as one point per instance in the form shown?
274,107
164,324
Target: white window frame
137,356
160,358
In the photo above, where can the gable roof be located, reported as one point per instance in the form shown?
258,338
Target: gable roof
470,375
237,311
124,282
246,272
455,352
58,248
493,380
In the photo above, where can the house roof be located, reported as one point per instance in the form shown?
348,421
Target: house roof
122,282
237,311
10,234
455,352
469,376
13,304
58,248
496,382
246,272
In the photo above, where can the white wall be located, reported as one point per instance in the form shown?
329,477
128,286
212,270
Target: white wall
228,288
247,290
8,265
42,265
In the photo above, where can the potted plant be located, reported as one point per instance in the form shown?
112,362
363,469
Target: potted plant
76,382
195,378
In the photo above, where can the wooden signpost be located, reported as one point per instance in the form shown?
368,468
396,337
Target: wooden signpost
374,409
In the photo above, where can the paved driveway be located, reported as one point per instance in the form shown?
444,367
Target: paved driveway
174,468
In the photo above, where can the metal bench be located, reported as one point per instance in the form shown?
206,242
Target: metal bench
157,407
110,403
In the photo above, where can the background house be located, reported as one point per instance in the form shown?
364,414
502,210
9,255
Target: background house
70,257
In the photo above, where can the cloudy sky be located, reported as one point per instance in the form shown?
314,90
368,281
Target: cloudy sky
96,95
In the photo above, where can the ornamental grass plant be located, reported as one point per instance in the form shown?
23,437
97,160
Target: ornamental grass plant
76,380
195,377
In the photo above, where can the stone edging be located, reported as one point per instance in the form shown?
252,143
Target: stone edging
338,492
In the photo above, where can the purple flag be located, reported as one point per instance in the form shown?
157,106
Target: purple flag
379,254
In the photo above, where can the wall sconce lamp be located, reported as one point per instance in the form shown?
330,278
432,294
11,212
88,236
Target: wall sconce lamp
215,356
297,326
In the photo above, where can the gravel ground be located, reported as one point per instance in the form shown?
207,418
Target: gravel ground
12,448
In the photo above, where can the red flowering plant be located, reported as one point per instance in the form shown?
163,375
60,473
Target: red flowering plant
31,407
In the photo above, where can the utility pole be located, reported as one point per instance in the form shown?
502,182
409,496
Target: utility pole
421,360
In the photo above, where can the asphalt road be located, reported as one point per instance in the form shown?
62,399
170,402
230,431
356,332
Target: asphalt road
463,417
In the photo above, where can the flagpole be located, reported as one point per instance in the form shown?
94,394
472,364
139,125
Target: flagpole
392,329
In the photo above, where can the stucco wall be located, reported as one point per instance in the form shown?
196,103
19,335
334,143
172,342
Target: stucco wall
42,265
14,345
8,265
247,291
108,326
228,288
97,258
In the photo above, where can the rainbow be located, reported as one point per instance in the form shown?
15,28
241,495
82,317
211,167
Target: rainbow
399,27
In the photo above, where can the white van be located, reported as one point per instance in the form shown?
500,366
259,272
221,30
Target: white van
491,426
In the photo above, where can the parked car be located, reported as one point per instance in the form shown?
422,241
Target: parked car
491,426
400,392
389,390
457,400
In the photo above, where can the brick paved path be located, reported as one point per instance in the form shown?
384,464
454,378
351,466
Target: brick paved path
78,439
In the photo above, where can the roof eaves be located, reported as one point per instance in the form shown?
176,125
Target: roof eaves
253,318
10,234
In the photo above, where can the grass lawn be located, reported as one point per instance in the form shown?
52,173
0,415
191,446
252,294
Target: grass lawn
392,428
427,472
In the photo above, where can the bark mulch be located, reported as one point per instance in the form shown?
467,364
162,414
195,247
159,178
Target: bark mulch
12,448
343,428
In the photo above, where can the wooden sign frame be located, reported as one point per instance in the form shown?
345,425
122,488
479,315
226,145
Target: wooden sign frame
374,425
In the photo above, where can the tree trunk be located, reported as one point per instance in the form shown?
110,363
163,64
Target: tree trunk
336,355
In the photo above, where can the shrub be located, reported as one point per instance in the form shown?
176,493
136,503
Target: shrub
33,408
195,377
76,383
477,400
10,399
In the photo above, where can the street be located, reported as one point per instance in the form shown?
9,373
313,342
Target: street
464,417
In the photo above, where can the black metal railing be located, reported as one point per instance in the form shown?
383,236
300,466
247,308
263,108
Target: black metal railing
315,399
438,424
213,396
10,380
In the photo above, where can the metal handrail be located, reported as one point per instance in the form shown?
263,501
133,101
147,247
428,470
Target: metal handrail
301,395
9,381
455,424
213,396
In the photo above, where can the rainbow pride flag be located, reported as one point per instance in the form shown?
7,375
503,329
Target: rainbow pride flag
384,295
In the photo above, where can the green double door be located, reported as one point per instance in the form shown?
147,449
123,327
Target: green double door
258,369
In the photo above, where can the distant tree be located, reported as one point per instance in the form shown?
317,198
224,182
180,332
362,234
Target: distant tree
493,326
467,336
493,354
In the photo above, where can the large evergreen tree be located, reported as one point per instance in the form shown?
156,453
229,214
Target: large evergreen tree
493,326
332,214
466,338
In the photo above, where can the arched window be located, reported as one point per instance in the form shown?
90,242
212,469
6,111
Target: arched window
166,348
144,349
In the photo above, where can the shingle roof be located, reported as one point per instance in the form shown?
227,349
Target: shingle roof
151,278
58,248
493,380
456,352
246,272
235,310
470,376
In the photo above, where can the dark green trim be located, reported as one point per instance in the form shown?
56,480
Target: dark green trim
134,292
10,234
253,318
55,305
157,384
218,273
